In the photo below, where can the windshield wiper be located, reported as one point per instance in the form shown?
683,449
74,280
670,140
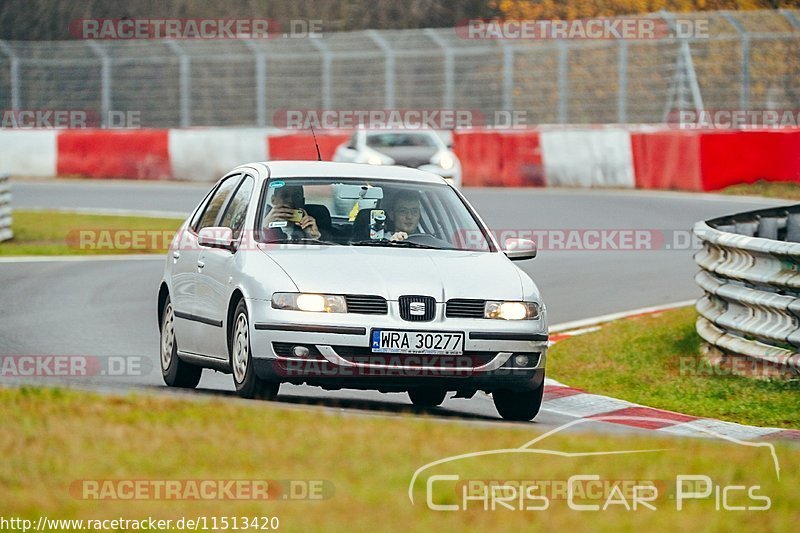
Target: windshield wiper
406,244
302,240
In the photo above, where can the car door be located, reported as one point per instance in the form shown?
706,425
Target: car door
188,314
215,280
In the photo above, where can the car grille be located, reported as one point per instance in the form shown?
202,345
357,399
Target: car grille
366,305
413,162
463,308
408,308
357,354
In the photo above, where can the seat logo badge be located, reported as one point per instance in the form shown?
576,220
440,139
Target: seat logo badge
417,308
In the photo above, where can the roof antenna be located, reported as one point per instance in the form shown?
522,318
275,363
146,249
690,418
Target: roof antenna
319,156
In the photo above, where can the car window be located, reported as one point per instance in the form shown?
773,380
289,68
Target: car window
360,212
217,202
391,140
237,208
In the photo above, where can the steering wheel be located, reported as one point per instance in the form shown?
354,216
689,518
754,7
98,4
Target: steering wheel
425,238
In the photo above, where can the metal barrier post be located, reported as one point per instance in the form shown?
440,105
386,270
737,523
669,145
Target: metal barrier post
744,66
14,59
185,83
105,81
327,60
260,81
5,210
388,75
449,68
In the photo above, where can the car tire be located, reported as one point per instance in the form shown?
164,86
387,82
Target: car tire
519,406
427,396
176,372
248,384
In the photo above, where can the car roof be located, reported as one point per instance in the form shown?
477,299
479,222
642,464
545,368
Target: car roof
322,169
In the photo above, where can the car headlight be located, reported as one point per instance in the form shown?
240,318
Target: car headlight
375,160
512,310
300,301
447,161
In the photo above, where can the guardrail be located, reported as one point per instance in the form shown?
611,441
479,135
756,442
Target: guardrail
5,209
751,277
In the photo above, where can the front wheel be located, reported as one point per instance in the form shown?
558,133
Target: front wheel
519,406
427,396
247,383
176,373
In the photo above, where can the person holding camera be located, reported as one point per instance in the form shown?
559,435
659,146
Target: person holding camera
287,213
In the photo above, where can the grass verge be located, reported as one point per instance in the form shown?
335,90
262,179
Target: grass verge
769,189
654,360
57,233
54,438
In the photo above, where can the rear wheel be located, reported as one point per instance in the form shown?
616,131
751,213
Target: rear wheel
427,396
519,406
247,383
176,373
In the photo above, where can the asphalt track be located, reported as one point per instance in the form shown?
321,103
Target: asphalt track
107,308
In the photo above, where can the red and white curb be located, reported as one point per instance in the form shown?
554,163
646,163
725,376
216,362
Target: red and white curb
568,401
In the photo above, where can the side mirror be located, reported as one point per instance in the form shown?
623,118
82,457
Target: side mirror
216,237
519,249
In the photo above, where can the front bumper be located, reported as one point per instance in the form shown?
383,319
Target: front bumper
340,356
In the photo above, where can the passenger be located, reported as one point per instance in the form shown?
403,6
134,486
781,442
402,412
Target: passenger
404,215
285,202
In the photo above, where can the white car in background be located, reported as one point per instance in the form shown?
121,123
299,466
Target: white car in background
421,149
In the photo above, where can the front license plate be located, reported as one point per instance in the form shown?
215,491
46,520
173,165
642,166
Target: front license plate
417,342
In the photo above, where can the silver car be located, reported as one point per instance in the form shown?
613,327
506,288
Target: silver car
345,275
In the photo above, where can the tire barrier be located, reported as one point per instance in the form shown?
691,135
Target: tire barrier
5,210
553,156
750,274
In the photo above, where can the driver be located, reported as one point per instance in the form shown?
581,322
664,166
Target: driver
285,201
404,215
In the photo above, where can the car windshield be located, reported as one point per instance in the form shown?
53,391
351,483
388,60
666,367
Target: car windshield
392,140
368,212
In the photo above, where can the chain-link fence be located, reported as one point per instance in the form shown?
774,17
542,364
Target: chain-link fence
748,60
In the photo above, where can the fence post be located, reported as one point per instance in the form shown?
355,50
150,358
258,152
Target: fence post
449,67
105,81
744,65
788,15
327,59
14,60
388,76
261,82
563,82
185,83
508,76
5,210
622,79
